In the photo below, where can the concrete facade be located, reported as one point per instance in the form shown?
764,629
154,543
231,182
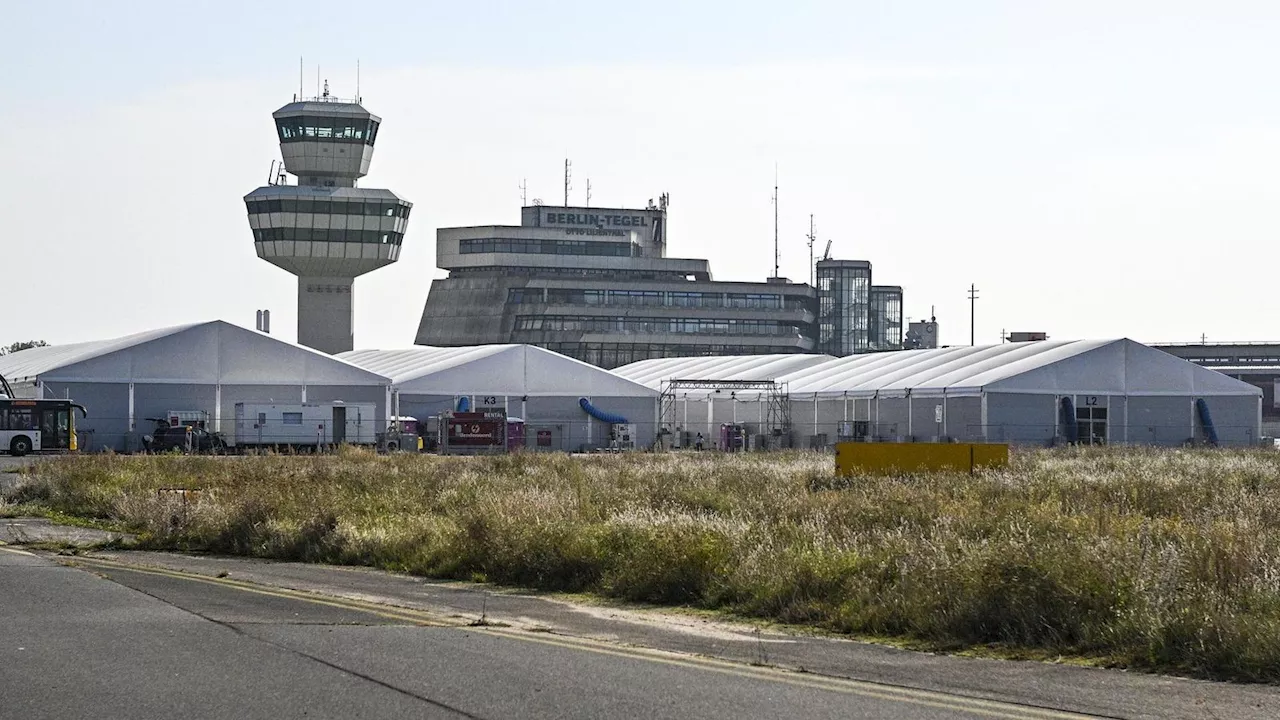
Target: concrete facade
595,284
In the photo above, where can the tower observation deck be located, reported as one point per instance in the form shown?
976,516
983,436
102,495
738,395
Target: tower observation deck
324,229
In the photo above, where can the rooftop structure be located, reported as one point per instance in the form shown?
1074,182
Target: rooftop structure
324,229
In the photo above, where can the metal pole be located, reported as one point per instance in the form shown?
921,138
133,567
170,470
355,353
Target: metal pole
811,241
775,220
973,297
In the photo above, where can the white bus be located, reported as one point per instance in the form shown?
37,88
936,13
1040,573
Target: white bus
28,426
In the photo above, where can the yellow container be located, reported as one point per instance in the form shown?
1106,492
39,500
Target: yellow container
856,457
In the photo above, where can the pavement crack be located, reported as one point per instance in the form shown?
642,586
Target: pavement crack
354,673
298,653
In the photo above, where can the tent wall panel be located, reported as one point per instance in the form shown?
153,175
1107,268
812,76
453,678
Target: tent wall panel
924,424
890,418
561,415
107,424
1164,421
1021,418
154,400
964,419
831,413
1236,420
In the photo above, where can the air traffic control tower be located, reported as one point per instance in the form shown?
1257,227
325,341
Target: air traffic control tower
324,229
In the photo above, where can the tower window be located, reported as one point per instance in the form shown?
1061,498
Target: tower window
340,129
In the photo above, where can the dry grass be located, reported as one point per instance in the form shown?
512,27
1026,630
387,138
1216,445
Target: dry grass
1167,560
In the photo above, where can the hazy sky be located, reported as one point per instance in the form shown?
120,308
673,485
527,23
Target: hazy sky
1098,169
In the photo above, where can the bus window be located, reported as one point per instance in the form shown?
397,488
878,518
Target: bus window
20,419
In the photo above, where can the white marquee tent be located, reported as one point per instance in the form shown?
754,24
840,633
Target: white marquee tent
1041,392
539,386
206,367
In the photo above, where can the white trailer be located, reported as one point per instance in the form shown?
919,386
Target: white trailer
305,424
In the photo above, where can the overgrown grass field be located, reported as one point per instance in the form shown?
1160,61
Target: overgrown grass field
1158,559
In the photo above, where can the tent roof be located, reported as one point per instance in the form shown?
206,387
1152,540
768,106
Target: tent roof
202,353
955,369
1120,367
27,365
653,373
493,370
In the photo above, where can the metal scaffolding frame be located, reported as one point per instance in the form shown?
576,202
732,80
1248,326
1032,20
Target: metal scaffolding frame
777,415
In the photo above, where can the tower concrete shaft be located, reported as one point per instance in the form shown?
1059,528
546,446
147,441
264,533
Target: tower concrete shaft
326,313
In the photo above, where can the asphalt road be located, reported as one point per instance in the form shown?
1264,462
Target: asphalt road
107,640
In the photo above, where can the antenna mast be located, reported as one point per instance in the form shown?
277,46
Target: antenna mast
568,175
299,78
588,192
775,219
524,192
973,299
812,239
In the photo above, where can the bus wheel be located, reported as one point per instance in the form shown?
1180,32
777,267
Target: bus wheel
20,446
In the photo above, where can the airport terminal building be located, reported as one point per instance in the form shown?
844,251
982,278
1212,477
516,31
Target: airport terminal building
596,284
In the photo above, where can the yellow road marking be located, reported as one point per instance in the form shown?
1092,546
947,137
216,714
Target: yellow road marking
15,551
386,611
888,692
929,698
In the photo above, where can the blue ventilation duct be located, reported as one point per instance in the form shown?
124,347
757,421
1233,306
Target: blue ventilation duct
464,404
1069,427
599,414
1206,421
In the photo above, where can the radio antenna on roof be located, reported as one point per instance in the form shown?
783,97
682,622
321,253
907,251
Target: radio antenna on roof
775,219
568,177
813,239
